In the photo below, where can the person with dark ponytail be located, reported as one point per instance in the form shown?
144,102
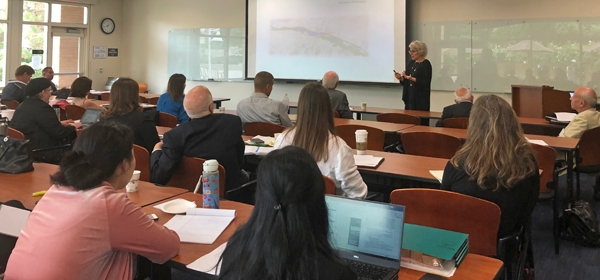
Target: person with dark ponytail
286,237
83,228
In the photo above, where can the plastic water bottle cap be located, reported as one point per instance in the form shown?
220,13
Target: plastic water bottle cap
211,165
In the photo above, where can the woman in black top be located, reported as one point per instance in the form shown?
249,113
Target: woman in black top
496,163
286,236
39,123
416,79
125,108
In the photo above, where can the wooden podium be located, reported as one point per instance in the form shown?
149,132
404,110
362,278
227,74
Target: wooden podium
537,102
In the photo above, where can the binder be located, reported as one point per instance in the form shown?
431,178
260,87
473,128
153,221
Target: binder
434,246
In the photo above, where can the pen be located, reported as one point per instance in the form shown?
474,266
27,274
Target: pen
40,193
198,185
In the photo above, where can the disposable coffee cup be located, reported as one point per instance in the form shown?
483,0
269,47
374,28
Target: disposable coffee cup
133,184
222,109
361,141
363,106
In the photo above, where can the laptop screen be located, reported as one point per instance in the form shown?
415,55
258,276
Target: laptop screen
91,116
365,230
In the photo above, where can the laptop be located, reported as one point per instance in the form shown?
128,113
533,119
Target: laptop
90,116
367,235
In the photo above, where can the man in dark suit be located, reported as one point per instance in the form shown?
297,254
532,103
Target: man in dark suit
339,101
462,108
206,135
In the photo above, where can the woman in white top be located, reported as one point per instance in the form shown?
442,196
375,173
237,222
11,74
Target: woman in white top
315,132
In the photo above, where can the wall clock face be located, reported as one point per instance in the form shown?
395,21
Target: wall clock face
107,25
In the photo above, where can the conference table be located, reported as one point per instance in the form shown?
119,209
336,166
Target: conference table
473,267
216,100
385,126
358,110
403,166
22,186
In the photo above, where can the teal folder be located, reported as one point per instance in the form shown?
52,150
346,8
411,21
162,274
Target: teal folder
439,243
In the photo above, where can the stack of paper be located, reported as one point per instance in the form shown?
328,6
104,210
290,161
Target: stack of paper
564,117
433,250
367,160
12,220
201,225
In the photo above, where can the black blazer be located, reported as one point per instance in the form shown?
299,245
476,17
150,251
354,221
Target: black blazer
144,129
217,136
459,110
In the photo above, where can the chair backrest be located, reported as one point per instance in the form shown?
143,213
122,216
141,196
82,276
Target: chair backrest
105,96
336,114
91,96
456,123
153,100
10,104
142,162
187,174
167,120
13,133
74,112
588,152
447,210
375,139
545,157
329,185
261,128
143,99
430,144
398,118
143,87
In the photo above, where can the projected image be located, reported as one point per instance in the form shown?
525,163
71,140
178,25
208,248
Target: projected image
342,37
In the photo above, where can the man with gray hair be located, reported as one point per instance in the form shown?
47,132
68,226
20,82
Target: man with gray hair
206,135
339,101
463,100
584,102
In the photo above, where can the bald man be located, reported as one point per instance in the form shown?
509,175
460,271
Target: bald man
584,102
339,101
463,100
206,135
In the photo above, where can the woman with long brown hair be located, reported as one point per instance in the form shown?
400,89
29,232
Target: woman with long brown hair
171,102
496,163
315,132
125,108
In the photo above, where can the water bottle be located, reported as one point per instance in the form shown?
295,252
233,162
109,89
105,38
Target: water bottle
210,184
3,126
56,110
286,101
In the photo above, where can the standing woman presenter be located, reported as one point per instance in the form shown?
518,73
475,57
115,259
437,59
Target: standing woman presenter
416,79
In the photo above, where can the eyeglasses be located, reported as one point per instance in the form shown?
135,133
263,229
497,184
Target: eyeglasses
48,89
412,51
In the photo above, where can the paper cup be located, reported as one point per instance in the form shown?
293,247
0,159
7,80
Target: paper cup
361,141
133,184
363,106
222,109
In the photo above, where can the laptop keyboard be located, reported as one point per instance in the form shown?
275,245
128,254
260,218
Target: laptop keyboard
366,271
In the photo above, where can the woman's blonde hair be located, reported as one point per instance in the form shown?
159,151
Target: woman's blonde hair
419,46
124,98
315,121
496,154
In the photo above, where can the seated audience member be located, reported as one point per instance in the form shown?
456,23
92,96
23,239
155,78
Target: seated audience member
464,101
15,89
496,163
584,102
39,123
286,237
48,73
315,132
83,228
124,107
79,90
206,135
259,107
339,101
171,102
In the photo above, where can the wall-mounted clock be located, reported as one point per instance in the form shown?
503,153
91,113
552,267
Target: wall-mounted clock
107,25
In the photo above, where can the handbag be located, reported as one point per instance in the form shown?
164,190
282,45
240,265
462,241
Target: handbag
15,155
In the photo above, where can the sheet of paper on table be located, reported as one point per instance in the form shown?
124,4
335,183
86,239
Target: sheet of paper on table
201,225
367,160
208,262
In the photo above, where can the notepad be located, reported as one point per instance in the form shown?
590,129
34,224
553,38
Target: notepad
12,220
201,225
564,116
208,262
438,174
257,150
367,160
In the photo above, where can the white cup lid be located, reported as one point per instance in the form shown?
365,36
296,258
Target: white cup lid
211,165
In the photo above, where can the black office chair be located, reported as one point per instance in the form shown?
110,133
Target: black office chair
244,194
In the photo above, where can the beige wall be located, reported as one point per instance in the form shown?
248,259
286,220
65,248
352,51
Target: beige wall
111,66
147,23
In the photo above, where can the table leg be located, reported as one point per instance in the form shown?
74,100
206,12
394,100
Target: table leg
358,115
570,173
217,104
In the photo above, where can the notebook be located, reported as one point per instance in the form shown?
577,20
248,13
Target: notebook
367,235
90,116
